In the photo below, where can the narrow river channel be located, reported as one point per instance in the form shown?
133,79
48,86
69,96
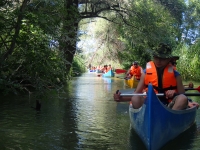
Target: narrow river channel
84,117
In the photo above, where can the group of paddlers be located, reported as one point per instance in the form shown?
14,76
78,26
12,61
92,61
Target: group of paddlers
136,70
162,74
102,69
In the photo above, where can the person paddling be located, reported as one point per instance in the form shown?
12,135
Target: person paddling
164,78
135,71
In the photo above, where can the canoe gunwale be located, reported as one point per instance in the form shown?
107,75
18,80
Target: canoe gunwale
149,124
108,74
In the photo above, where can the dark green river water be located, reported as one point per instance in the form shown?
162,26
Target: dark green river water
85,117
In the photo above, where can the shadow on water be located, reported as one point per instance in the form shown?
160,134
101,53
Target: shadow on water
122,107
69,126
135,142
184,141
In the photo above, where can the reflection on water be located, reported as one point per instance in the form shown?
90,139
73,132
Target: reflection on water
86,117
184,141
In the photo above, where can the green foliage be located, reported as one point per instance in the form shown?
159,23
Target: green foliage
189,64
190,27
146,27
103,48
135,29
176,8
134,54
33,63
78,66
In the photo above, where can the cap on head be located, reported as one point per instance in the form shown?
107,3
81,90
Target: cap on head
163,51
135,63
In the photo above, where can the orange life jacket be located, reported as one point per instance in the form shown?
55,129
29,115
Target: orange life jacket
105,69
136,72
168,78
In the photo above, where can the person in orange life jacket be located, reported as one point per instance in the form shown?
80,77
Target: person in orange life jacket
164,79
135,70
105,68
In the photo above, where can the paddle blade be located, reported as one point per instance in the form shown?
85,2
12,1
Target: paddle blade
118,71
198,89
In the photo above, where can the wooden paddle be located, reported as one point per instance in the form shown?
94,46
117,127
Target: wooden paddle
198,89
118,71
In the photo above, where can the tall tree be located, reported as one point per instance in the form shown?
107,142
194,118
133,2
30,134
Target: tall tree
9,44
68,38
75,11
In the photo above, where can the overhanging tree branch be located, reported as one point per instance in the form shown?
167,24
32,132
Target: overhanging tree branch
17,30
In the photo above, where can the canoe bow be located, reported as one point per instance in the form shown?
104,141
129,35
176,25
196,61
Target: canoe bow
156,124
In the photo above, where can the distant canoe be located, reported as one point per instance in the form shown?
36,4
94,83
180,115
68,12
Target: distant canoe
99,71
131,83
157,124
110,73
91,70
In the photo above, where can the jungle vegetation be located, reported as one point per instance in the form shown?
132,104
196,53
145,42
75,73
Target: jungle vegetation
38,38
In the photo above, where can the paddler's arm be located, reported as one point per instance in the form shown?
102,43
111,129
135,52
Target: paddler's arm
180,86
117,96
140,85
181,89
128,72
137,101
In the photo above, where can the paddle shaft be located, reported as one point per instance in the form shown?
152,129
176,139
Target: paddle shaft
140,94
160,94
198,89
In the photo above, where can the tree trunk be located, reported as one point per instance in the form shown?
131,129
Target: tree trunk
69,33
17,30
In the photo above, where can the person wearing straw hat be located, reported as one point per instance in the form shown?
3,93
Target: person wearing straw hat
164,78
